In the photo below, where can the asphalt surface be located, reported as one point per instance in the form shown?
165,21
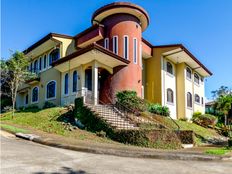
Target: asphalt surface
21,156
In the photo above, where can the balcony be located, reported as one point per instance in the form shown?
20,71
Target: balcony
33,77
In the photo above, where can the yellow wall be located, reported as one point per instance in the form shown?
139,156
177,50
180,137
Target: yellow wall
180,90
68,46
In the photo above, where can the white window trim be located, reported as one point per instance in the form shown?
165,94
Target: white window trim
115,51
190,79
32,95
188,107
77,82
198,84
199,103
135,52
124,53
47,99
44,68
106,43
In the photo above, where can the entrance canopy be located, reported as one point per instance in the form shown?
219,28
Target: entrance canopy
89,54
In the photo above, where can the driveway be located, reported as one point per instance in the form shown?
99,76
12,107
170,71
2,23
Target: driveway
20,156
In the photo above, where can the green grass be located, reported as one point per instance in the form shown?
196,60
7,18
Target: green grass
13,129
46,120
218,151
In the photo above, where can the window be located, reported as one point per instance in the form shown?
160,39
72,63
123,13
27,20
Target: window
40,63
35,94
196,78
135,50
75,81
54,55
45,61
31,67
35,66
51,90
197,98
202,100
188,73
189,100
169,95
106,43
26,99
115,44
66,83
126,47
169,68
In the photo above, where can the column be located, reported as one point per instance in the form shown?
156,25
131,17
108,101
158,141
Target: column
95,83
82,78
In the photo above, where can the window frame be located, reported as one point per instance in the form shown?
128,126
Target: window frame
198,83
172,95
51,58
189,78
45,61
40,63
66,84
26,99
135,50
115,44
76,86
35,87
195,96
35,66
126,47
52,98
191,98
106,43
169,63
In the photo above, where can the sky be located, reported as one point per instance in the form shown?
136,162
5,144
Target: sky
203,26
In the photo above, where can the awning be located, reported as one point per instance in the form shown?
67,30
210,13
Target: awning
87,55
182,55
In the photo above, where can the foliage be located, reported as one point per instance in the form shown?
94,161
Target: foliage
14,72
130,100
7,109
223,90
183,119
158,109
223,103
48,104
196,114
12,129
205,120
218,151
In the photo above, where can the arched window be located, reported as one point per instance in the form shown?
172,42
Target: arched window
66,83
45,61
35,66
196,78
169,68
126,47
35,94
188,73
26,99
106,43
189,100
202,100
54,55
51,90
75,81
169,95
197,98
40,63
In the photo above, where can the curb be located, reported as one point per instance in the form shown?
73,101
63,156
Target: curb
127,153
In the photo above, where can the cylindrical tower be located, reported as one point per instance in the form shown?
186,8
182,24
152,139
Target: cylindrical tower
124,23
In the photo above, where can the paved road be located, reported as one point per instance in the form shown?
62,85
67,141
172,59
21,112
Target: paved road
20,156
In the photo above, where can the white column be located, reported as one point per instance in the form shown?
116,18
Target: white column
82,78
95,83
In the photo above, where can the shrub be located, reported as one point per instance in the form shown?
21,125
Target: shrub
32,107
205,120
130,100
158,109
48,104
7,109
183,119
197,114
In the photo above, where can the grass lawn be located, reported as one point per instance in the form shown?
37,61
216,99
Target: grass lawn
47,120
218,151
13,129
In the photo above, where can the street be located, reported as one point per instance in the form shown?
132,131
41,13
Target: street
21,156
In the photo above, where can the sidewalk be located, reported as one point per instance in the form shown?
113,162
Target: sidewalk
118,149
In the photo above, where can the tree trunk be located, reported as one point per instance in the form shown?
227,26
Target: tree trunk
225,117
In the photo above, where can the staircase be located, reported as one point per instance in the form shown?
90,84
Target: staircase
112,116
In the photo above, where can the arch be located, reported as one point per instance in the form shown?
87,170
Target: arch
196,78
75,81
189,100
66,84
35,94
170,97
54,55
188,73
51,90
197,98
169,68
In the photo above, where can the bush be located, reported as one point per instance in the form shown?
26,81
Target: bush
130,100
7,109
158,109
48,104
205,120
196,114
32,107
183,119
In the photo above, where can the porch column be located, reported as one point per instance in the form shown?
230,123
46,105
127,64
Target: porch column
95,83
82,78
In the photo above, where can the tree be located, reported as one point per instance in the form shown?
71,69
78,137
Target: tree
13,73
223,90
223,104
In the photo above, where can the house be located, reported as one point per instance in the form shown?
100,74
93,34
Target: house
111,56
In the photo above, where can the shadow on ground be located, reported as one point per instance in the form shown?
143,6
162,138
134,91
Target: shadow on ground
64,170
